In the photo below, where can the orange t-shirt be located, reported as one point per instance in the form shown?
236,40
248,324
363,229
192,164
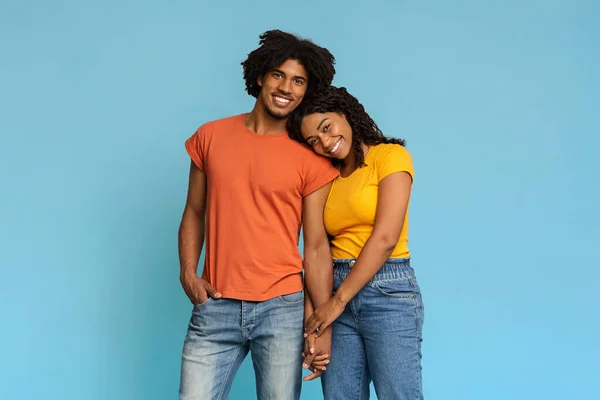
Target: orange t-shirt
255,186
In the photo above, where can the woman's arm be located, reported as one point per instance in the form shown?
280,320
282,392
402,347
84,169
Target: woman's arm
392,203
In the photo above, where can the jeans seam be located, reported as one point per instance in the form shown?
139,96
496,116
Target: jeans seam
222,392
417,361
358,387
355,318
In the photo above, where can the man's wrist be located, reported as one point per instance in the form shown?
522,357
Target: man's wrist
326,331
187,274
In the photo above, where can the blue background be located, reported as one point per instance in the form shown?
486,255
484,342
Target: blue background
499,104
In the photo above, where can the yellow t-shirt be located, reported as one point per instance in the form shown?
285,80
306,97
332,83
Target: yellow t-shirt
352,202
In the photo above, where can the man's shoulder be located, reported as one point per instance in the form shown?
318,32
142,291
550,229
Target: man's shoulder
308,159
302,150
220,123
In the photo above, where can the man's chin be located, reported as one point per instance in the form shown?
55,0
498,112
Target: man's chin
278,115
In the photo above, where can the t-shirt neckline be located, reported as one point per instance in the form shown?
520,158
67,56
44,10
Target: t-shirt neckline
259,135
353,172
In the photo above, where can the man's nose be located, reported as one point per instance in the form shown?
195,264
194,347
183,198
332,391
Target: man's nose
285,87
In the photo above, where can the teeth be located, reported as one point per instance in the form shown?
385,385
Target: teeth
282,100
336,146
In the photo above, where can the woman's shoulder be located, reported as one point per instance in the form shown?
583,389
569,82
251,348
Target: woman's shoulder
389,158
389,150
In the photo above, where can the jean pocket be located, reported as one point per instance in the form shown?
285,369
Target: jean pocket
203,303
292,299
399,288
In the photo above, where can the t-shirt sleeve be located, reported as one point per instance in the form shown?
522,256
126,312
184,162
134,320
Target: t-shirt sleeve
394,158
196,147
318,173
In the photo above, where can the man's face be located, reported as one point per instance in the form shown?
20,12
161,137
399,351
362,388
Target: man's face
283,88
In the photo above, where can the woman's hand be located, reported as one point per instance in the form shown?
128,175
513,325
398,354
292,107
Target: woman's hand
323,316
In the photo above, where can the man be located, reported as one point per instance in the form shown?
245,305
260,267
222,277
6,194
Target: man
250,190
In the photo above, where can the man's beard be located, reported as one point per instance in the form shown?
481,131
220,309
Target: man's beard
277,116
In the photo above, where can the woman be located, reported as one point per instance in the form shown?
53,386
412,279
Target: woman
376,312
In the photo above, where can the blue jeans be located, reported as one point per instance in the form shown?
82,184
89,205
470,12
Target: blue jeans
377,337
220,334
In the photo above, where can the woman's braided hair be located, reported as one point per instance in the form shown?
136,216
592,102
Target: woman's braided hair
276,47
334,99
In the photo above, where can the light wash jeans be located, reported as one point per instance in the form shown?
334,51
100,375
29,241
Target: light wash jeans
377,337
220,334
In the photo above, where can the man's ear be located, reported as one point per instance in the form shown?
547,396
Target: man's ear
259,80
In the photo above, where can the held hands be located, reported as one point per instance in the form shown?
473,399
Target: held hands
317,334
323,317
198,290
316,354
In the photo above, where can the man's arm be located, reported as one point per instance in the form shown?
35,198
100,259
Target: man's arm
191,239
318,274
308,306
318,265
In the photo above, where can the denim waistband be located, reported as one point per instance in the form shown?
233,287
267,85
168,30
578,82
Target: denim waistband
393,268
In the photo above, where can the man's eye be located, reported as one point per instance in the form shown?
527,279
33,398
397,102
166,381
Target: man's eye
326,128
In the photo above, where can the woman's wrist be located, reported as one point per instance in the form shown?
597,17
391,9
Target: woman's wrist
341,297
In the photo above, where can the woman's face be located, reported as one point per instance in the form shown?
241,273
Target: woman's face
329,134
